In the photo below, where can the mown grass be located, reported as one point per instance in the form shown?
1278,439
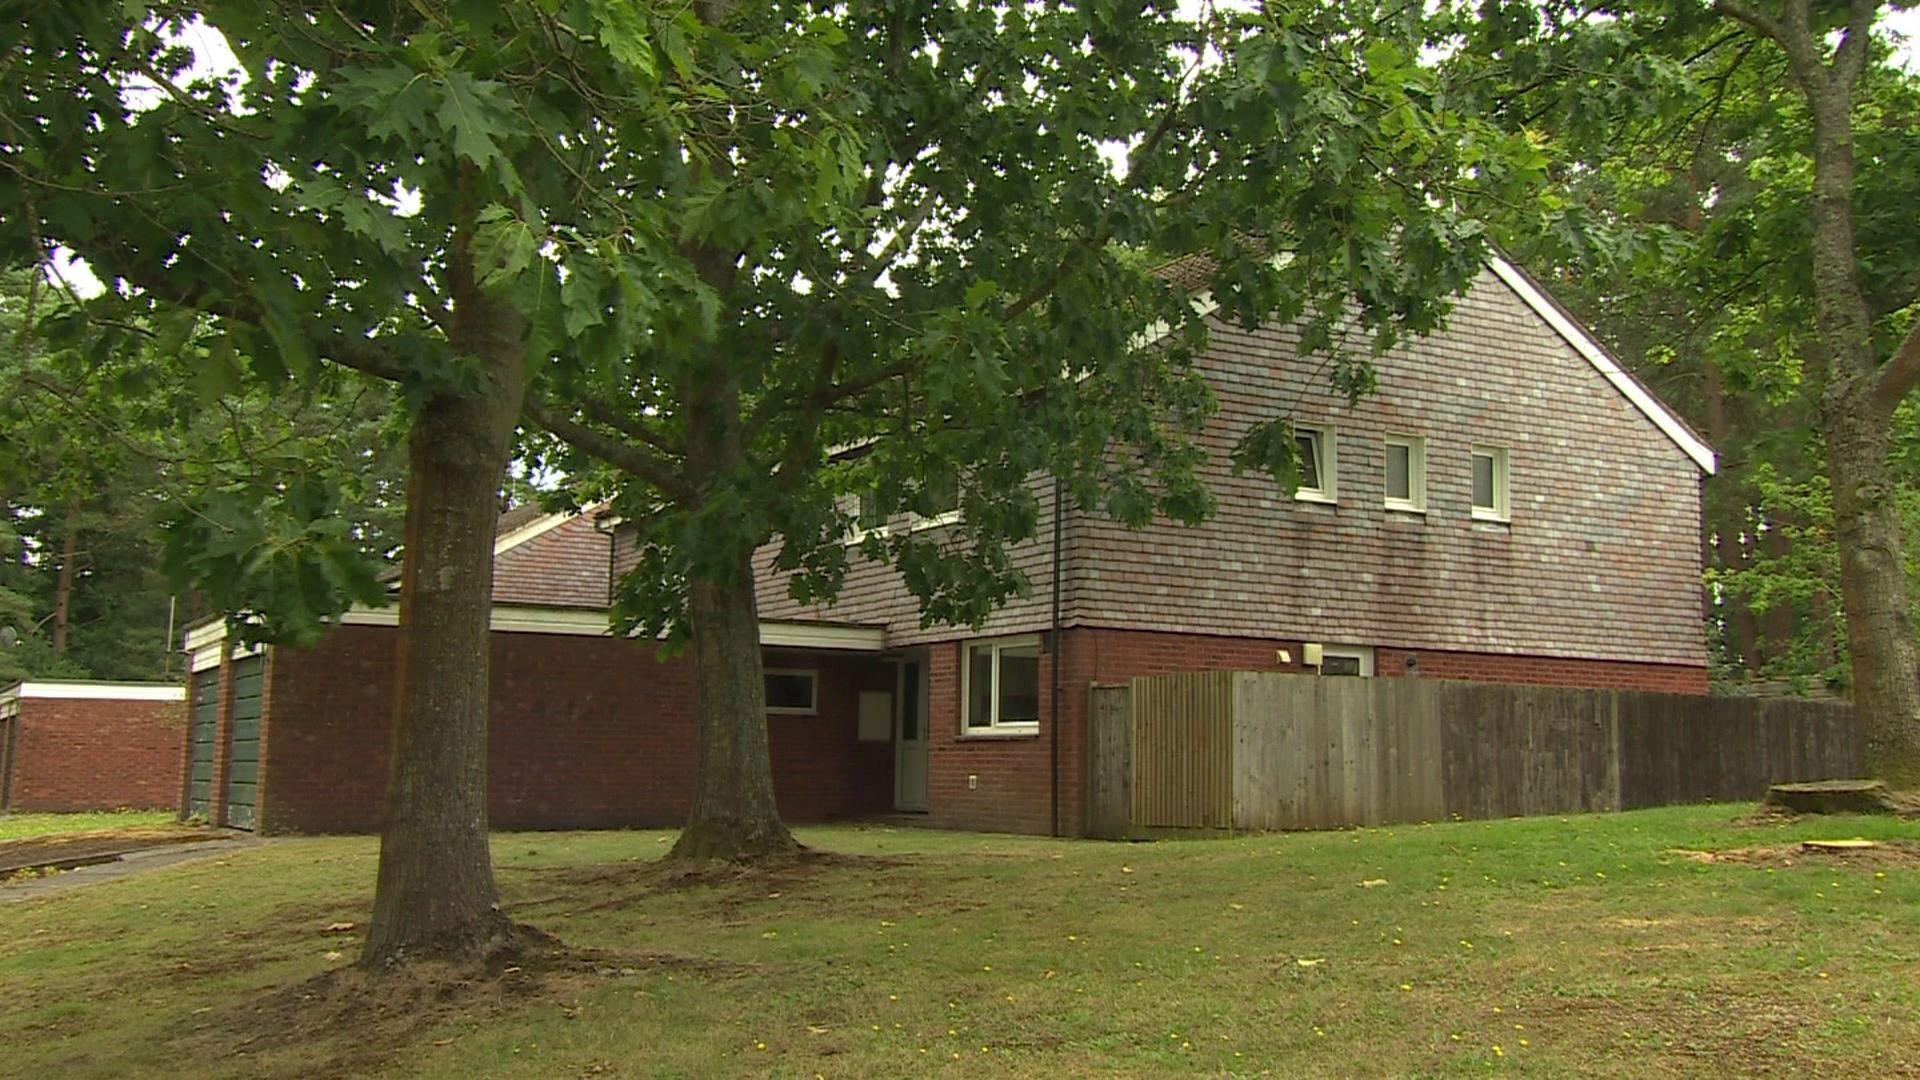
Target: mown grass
1539,947
25,826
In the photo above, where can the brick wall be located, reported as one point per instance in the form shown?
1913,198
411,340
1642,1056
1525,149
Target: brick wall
79,754
1013,774
587,732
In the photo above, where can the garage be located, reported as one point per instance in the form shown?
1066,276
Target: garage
203,724
243,742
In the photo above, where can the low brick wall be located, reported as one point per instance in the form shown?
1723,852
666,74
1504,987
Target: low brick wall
94,754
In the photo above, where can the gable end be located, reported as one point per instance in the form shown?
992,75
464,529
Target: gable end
1595,354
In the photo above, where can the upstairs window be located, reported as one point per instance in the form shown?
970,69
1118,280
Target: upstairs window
1406,479
1002,686
1316,451
1490,500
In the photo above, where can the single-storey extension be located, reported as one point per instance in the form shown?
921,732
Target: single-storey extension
68,745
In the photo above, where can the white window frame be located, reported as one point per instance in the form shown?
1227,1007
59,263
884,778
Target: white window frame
1362,653
1328,440
1416,502
813,685
858,533
1502,508
994,724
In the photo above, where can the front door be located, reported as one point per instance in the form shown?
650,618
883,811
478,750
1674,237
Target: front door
910,736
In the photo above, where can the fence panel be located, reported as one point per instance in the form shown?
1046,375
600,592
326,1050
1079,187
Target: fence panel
1183,750
1264,750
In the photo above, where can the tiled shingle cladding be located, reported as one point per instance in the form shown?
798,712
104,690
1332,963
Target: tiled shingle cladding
874,594
1601,560
566,566
77,754
586,732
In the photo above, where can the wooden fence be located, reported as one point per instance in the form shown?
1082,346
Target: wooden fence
1260,750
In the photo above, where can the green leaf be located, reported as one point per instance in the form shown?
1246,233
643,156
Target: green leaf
476,114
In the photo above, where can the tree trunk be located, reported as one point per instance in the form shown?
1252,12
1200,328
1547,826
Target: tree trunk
734,816
1873,582
63,584
435,897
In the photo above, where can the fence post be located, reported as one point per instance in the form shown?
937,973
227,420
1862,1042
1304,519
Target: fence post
1109,761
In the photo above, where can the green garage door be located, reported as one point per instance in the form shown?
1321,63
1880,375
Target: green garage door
243,742
201,731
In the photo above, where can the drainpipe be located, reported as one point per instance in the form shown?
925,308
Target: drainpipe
1053,645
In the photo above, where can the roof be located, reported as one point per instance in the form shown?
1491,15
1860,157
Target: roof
1195,272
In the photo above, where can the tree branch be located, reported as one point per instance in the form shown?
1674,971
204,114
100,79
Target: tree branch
602,413
1851,57
1798,47
634,460
1900,374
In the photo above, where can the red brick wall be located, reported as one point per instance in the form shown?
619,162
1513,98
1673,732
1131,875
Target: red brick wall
76,754
586,733
1542,670
1014,790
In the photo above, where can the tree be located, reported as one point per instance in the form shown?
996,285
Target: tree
902,231
1763,108
111,458
357,192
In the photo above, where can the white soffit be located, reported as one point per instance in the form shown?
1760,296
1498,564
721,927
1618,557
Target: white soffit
1584,344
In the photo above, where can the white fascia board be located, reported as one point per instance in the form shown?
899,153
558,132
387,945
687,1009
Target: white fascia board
581,622
102,691
541,526
587,622
207,633
839,636
1584,344
1203,305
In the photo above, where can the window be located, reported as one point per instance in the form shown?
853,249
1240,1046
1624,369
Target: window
794,692
1002,690
1319,464
934,503
1490,483
1406,473
1346,660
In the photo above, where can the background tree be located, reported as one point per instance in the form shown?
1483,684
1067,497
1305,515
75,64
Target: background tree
919,234
1774,156
110,455
355,191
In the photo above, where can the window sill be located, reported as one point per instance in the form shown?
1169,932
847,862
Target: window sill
992,734
1484,517
1406,508
1316,498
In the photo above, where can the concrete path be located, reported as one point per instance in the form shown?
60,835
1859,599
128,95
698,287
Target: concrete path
134,862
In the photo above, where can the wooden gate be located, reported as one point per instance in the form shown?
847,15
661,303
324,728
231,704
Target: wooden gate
1182,774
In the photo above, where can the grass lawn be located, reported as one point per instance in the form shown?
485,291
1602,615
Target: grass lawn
26,826
1541,947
